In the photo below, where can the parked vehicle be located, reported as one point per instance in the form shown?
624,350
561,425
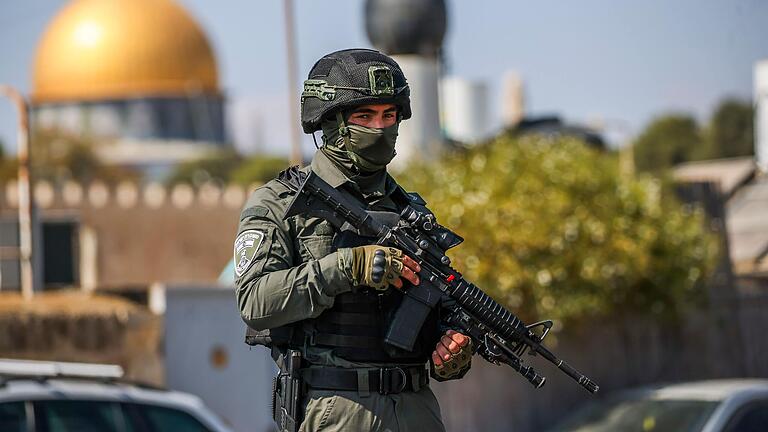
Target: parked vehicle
704,406
62,397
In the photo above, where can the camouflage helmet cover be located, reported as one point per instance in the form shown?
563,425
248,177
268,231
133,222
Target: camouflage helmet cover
348,78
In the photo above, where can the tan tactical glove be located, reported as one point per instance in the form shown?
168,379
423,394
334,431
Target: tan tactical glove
452,355
376,266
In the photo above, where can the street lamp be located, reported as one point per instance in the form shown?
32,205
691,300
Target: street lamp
25,191
624,131
290,53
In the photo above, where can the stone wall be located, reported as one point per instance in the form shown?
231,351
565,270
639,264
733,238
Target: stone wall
75,326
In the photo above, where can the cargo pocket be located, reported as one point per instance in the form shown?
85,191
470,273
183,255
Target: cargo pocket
318,413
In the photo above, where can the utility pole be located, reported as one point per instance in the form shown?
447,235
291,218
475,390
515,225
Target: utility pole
626,150
25,191
290,54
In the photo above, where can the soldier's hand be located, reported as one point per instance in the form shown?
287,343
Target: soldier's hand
379,266
452,352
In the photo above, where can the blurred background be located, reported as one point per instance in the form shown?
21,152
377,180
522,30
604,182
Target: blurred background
605,162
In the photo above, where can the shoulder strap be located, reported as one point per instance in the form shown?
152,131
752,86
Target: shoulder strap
403,198
292,178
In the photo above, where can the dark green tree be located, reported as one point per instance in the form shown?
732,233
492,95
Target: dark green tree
259,169
668,141
59,155
218,167
731,132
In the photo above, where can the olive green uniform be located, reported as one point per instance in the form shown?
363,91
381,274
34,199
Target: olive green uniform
293,274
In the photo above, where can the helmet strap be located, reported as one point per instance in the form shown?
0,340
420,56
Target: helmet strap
314,138
344,133
343,129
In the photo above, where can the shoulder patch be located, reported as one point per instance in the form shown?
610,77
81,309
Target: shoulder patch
257,211
246,245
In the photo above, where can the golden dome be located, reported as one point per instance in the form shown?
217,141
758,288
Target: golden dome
116,49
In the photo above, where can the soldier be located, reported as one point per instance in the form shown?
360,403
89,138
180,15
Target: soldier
326,296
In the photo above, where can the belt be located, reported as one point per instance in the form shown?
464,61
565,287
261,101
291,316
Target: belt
386,380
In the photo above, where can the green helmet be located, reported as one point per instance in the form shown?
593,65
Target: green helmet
349,78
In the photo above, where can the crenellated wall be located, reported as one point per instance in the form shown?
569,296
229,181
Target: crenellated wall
132,235
125,195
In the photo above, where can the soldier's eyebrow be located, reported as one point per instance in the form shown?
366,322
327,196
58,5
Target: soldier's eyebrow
373,111
364,111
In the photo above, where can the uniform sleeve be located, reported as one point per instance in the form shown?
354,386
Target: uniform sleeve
272,291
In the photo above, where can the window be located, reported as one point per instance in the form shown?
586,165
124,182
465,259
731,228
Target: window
160,419
640,415
77,416
13,417
751,418
59,253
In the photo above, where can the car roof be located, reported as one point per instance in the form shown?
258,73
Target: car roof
20,389
713,390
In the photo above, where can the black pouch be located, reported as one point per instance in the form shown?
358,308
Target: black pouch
258,337
280,337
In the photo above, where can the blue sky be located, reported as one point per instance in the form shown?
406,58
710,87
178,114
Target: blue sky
623,61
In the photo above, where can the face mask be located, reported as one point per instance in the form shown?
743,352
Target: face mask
371,149
361,149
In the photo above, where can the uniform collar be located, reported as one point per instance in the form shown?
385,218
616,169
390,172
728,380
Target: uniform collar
328,171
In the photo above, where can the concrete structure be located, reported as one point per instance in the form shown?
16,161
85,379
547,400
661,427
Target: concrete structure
464,109
136,77
512,100
761,115
205,354
125,236
77,326
412,33
743,187
420,137
745,196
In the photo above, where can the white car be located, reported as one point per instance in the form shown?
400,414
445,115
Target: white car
734,405
63,397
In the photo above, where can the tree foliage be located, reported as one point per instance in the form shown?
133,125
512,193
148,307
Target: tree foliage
667,141
57,155
259,169
731,132
551,229
675,138
218,167
229,167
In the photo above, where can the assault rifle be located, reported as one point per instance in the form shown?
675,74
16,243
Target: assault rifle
499,335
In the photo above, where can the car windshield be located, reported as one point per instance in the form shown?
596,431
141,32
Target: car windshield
640,415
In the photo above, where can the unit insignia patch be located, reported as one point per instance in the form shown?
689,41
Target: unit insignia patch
246,245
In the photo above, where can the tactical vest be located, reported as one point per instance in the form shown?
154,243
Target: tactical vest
356,324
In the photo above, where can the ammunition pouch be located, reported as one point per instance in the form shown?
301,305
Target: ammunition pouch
280,337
